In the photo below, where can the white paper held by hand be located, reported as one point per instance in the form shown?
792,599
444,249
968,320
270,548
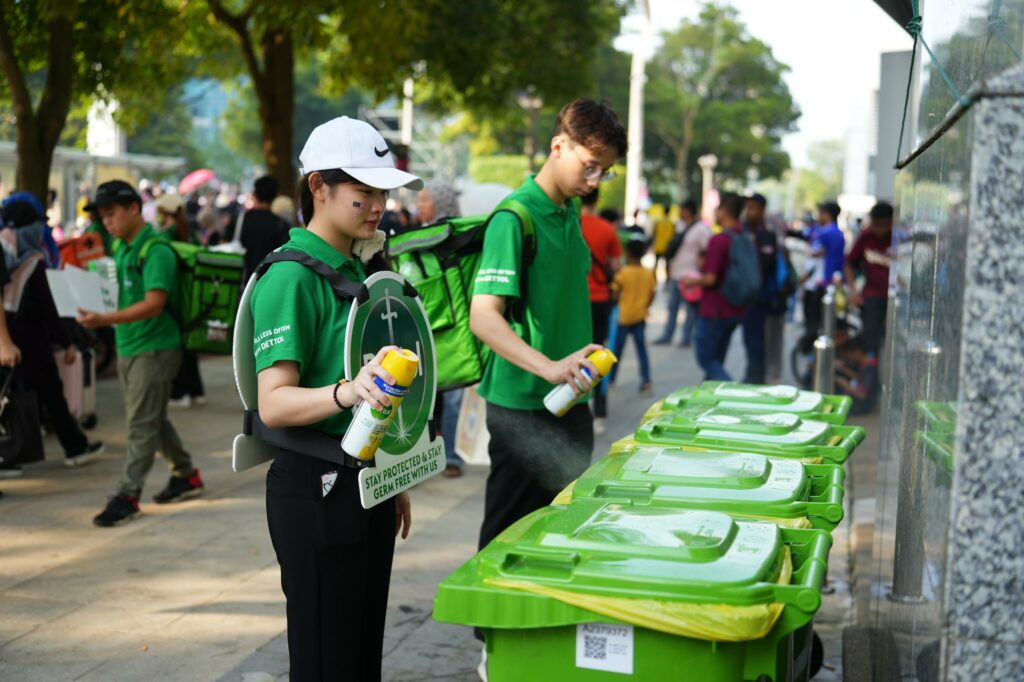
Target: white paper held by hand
73,289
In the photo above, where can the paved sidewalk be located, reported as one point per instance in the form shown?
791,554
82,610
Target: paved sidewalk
191,591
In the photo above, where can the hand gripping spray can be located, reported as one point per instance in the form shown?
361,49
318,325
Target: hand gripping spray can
561,399
369,424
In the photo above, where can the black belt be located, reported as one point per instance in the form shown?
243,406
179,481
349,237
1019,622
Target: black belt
303,441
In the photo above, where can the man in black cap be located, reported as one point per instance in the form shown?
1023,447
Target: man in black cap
148,349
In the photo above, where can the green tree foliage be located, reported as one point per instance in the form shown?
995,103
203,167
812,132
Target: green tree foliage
605,77
313,105
825,158
714,88
474,55
59,53
168,131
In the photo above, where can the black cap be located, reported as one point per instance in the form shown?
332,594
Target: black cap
113,192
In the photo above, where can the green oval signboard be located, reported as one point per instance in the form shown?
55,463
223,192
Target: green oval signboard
391,314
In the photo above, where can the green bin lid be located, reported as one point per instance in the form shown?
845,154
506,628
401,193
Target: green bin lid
740,483
938,416
620,551
758,398
770,433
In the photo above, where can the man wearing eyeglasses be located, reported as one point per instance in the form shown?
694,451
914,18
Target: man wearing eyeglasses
533,453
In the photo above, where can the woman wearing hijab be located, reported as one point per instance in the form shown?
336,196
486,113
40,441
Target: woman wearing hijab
35,328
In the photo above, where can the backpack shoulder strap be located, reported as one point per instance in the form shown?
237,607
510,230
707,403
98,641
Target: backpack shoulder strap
343,288
519,210
148,246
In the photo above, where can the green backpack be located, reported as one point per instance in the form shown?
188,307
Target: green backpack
209,289
441,261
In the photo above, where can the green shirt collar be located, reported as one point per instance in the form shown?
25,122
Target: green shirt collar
317,248
544,203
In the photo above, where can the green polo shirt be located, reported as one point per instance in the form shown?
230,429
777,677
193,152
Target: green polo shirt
557,310
298,318
159,271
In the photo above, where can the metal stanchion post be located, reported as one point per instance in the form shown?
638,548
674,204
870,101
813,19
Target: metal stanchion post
825,346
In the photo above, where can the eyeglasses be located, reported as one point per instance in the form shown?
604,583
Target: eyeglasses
592,171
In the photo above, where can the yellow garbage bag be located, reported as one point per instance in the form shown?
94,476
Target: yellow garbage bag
711,622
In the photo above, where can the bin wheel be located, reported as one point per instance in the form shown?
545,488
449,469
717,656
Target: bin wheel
817,654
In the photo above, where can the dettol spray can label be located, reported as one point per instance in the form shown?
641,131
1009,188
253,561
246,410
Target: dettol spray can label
369,424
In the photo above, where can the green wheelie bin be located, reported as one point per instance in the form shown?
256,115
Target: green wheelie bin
787,492
594,592
755,398
778,434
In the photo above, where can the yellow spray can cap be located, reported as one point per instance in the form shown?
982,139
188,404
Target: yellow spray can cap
402,365
603,359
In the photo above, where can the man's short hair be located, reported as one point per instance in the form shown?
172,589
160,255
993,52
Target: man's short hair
689,205
266,188
830,207
636,248
732,203
758,199
593,125
591,198
609,214
881,211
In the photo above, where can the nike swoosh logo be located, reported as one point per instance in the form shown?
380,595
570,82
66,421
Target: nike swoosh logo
380,152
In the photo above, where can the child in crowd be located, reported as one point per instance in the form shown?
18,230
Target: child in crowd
857,375
634,287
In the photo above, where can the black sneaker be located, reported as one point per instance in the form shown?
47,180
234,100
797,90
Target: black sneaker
91,453
120,509
179,489
11,471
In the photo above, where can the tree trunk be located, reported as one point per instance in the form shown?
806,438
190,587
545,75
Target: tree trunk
683,152
39,129
274,82
277,105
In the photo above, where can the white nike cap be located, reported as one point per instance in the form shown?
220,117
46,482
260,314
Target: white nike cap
358,149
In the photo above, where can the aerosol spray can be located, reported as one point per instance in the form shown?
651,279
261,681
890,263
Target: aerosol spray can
561,398
369,424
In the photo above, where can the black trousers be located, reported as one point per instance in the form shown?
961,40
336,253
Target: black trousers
812,311
38,372
872,315
600,312
335,562
188,382
534,455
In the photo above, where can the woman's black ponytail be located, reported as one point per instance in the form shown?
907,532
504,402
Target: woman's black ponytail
304,195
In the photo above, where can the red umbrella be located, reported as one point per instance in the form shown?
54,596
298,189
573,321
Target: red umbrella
195,180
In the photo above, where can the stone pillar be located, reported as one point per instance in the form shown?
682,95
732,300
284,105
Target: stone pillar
983,637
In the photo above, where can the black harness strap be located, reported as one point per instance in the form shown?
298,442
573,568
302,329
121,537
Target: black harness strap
297,439
343,288
302,441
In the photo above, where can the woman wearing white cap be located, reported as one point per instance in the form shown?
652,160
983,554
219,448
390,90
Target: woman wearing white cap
335,556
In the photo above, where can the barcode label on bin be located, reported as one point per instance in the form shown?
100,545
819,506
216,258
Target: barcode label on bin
605,646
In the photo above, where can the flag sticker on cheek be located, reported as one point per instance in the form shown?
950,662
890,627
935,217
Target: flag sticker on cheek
357,204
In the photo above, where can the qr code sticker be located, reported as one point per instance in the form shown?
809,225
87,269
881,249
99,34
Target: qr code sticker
595,647
605,646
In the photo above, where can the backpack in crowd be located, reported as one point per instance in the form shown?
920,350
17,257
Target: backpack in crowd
441,261
210,286
742,283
